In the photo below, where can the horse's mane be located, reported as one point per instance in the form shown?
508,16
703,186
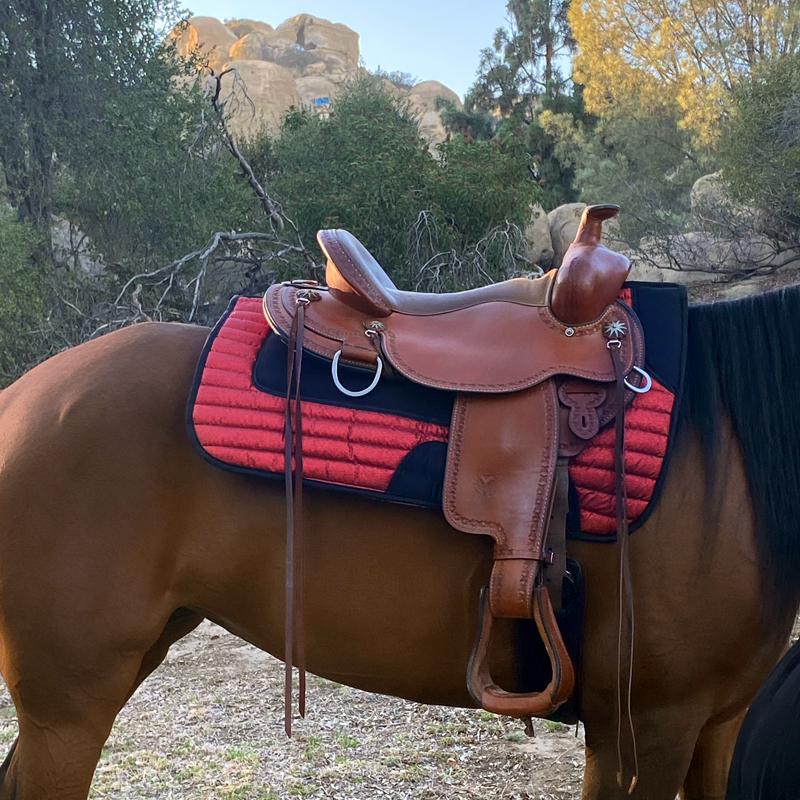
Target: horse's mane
744,357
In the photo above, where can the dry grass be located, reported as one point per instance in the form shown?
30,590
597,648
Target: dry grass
209,724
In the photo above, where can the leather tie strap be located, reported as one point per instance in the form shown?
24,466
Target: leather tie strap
625,632
293,446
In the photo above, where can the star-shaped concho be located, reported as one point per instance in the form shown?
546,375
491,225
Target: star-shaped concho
615,329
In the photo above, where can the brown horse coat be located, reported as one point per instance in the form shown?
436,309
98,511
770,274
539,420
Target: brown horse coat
116,539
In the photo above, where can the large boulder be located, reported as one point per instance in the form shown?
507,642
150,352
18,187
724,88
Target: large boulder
705,257
289,54
714,210
708,194
251,47
272,90
241,27
563,222
423,99
540,245
333,42
207,37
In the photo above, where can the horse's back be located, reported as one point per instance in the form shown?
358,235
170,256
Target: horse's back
147,362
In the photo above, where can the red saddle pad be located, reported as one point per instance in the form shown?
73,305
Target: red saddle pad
237,425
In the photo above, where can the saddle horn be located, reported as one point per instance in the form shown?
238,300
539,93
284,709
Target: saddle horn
591,275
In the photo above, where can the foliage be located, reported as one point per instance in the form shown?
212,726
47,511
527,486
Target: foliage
522,65
402,80
472,123
367,169
145,185
641,162
519,78
22,303
677,58
60,64
99,122
760,151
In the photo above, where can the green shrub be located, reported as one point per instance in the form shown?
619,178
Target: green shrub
367,169
22,303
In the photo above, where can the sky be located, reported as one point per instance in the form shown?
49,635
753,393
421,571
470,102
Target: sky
432,39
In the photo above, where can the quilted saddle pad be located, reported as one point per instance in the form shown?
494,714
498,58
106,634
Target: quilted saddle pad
392,443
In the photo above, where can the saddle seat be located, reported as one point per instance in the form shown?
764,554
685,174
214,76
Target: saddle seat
588,282
356,279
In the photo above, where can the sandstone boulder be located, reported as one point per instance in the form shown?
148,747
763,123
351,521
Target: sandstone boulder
563,222
540,245
332,41
272,90
714,210
708,193
288,53
251,47
423,100
241,27
206,36
705,257
318,68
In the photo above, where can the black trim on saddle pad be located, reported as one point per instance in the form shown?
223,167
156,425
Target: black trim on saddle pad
394,394
663,309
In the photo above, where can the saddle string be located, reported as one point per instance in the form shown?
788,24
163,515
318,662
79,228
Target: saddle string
293,446
626,617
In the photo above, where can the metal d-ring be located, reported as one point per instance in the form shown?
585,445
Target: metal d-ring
648,383
335,373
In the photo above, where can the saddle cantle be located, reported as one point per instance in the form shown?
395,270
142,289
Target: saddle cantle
538,366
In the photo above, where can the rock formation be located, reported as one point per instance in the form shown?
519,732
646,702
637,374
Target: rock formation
305,60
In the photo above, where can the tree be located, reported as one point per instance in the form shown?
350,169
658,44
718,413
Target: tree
759,151
61,63
522,67
679,57
519,77
22,297
381,181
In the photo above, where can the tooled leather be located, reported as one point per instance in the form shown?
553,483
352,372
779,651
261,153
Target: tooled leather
539,348
530,362
320,339
511,510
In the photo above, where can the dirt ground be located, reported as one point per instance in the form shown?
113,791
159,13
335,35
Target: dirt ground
209,725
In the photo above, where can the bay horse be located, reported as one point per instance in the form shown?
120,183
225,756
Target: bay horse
117,539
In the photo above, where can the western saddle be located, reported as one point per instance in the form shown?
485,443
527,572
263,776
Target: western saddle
538,365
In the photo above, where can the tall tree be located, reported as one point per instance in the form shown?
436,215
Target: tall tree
524,64
686,54
62,62
522,74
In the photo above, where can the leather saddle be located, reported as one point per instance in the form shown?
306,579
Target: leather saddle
538,365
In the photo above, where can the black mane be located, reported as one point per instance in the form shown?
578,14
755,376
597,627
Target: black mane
744,357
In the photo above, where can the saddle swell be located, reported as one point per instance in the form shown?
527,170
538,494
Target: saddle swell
537,365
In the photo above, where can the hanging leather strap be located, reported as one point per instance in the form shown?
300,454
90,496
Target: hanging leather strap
293,448
625,631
